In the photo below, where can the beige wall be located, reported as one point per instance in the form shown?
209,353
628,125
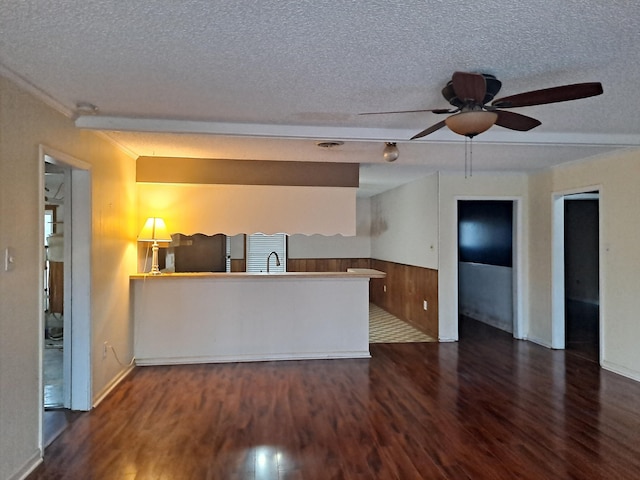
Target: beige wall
617,177
480,186
234,209
540,187
25,124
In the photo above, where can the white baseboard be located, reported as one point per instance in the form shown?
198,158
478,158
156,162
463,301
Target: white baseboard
29,466
620,370
111,385
251,358
538,341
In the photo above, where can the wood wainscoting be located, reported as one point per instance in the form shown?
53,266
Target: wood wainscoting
326,264
407,287
312,264
238,265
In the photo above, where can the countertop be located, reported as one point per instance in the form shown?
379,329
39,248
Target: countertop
350,273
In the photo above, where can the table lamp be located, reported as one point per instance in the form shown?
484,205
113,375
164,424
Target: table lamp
155,231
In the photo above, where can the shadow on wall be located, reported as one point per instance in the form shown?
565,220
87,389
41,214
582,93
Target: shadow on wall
378,222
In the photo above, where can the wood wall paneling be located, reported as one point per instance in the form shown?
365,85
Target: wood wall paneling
326,264
407,287
56,287
238,265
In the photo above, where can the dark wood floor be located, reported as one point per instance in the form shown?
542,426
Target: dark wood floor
487,407
582,329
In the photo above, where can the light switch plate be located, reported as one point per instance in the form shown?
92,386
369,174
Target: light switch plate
9,259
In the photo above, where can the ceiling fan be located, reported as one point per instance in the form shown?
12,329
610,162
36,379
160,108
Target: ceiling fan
470,93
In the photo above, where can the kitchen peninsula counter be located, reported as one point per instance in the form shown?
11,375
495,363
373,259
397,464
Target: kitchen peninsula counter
350,273
231,317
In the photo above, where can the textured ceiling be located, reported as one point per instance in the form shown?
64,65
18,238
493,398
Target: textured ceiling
266,80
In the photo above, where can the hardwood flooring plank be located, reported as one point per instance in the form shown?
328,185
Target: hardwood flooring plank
485,407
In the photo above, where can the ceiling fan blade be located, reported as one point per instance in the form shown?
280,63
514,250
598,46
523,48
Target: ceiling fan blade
515,121
469,87
429,130
434,110
563,93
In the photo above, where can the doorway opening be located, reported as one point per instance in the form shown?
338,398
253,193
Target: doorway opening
576,273
489,264
65,333
55,364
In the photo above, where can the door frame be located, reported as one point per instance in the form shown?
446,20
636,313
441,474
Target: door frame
77,283
518,265
558,321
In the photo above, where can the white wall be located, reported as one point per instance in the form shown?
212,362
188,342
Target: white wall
454,187
25,123
237,246
482,294
617,178
318,317
404,224
337,246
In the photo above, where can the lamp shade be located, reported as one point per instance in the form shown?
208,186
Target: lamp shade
471,123
154,230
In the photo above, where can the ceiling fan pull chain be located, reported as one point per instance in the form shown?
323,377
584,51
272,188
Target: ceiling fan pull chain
468,157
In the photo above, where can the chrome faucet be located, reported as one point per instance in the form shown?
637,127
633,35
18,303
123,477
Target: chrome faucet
277,260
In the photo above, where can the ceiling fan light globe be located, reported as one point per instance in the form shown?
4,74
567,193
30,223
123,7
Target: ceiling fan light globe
471,124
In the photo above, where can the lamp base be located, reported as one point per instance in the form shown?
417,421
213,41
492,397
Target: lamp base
154,260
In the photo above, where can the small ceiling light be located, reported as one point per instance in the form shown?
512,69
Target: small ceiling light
471,123
329,144
86,108
390,152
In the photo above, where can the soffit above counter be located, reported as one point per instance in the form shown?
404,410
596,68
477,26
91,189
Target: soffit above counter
246,172
210,196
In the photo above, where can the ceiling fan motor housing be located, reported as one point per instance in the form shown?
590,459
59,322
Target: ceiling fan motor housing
493,87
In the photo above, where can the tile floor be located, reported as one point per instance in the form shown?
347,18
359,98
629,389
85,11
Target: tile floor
386,328
53,377
53,396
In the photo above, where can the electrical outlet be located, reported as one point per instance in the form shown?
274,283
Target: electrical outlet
104,349
425,305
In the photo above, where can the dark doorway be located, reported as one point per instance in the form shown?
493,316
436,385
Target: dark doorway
485,262
581,256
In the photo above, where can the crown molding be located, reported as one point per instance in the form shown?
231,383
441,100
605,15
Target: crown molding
36,91
494,136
